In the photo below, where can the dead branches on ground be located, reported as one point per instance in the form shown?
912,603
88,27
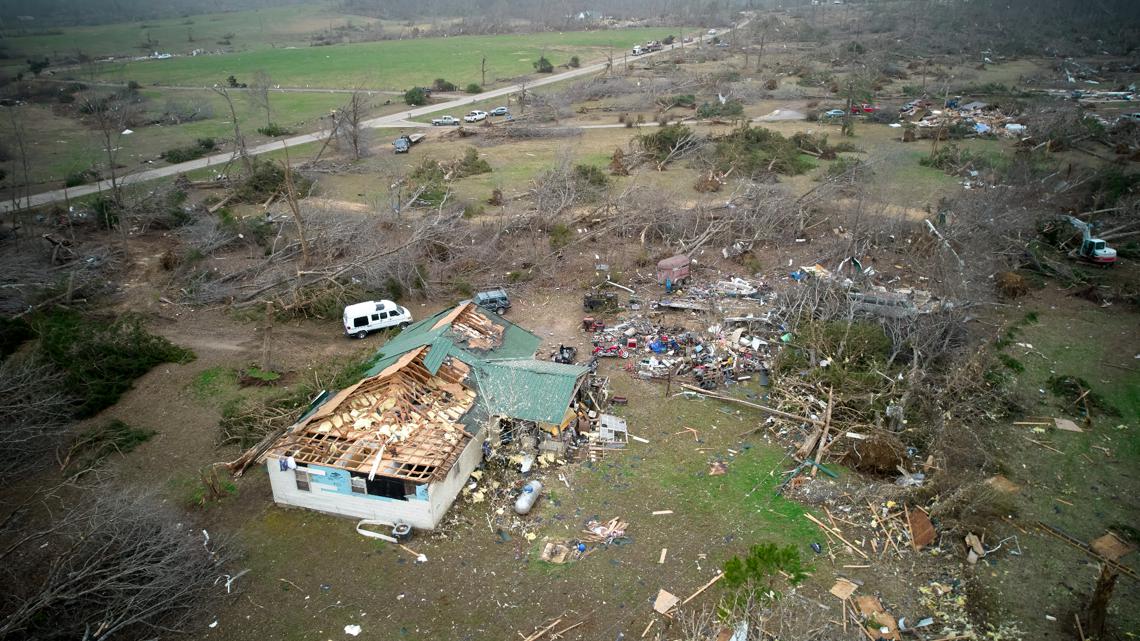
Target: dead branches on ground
115,565
35,412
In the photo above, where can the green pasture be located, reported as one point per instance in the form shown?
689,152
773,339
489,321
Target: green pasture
391,64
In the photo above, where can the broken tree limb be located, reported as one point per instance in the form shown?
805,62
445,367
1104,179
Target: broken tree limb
769,410
559,634
945,243
832,531
823,435
704,587
542,632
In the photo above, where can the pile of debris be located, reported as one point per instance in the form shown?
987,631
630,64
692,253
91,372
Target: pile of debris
978,117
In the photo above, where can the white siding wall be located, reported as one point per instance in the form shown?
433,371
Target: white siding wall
441,494
421,515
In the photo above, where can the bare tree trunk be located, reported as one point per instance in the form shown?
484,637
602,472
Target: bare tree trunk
291,194
239,141
1098,604
18,136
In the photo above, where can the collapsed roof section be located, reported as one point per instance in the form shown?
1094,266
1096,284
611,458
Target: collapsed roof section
402,422
407,419
465,331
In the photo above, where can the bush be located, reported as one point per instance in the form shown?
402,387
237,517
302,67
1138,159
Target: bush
842,166
591,175
415,96
661,142
756,577
560,236
574,62
266,179
274,130
102,358
472,164
473,87
542,65
76,178
442,85
471,210
200,148
729,109
755,149
679,100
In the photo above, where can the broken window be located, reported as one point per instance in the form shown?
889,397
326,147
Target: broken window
302,478
359,485
387,487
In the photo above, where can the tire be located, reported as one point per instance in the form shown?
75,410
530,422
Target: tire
403,324
359,335
500,311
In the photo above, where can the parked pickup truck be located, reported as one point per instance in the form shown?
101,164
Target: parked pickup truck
405,142
475,116
445,121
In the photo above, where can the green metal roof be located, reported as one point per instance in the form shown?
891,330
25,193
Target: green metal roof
517,343
437,354
508,379
527,389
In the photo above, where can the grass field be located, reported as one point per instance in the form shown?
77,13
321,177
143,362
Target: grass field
62,145
251,30
392,64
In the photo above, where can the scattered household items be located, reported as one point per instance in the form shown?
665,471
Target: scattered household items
564,354
600,302
606,532
371,316
496,300
529,496
612,431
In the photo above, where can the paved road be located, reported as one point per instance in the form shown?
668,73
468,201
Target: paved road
401,119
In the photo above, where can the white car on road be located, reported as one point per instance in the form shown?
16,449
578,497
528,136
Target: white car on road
475,116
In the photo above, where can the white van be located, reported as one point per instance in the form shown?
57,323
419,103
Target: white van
370,316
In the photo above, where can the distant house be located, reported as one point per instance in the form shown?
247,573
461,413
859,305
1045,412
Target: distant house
399,444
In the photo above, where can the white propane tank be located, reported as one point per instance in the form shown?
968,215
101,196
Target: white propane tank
528,497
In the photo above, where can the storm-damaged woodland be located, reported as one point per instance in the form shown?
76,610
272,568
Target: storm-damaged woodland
813,322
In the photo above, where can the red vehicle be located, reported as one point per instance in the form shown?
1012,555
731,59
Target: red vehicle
612,351
864,109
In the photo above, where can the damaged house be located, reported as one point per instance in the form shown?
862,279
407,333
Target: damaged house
399,445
